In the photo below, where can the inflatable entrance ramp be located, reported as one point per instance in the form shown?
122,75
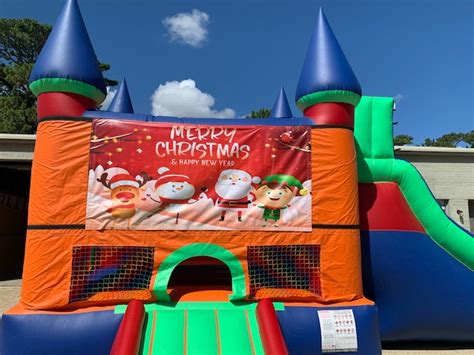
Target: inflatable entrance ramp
200,328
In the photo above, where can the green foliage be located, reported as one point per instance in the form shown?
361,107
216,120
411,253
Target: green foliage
469,138
109,82
21,41
17,103
262,113
450,140
402,139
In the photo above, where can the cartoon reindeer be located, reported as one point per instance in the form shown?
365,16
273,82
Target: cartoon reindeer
124,193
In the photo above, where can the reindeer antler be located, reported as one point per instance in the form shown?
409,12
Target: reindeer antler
142,178
103,180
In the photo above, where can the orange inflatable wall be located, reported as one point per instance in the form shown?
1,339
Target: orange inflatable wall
57,215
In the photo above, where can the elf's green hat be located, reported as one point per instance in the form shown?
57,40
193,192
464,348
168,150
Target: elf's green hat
286,180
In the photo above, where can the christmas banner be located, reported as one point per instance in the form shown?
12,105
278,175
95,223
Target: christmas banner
154,176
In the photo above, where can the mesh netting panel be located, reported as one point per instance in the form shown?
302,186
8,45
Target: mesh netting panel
284,267
108,269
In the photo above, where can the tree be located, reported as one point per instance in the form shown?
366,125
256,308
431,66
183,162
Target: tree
450,140
21,41
262,113
103,68
402,139
469,138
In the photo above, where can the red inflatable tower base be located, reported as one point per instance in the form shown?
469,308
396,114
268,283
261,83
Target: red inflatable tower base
332,113
63,104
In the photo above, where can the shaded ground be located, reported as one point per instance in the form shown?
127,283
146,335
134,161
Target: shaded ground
9,294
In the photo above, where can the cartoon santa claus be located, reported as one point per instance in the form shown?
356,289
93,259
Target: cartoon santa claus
233,192
174,192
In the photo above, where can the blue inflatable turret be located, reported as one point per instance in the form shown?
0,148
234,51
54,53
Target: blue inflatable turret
68,64
281,108
326,75
121,101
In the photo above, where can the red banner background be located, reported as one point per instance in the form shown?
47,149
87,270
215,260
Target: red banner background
151,152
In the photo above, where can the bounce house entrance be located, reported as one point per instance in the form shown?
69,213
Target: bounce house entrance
193,314
200,278
188,258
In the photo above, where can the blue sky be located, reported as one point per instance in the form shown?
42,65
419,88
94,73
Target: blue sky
420,51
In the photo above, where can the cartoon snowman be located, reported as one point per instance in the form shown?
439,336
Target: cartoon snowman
174,192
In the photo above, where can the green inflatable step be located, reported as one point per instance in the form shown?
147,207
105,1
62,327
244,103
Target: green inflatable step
201,328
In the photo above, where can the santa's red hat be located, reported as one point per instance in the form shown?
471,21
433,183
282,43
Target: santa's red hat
166,176
123,180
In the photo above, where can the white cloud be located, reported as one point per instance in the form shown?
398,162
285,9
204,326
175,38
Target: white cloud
108,99
184,99
398,97
188,27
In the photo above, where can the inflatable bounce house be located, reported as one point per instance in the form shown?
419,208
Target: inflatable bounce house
173,235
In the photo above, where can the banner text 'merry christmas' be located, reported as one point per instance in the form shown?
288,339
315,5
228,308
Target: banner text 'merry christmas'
202,142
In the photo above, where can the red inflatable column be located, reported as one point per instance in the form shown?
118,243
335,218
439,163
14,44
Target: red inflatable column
270,332
128,337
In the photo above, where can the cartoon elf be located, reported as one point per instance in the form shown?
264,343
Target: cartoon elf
275,193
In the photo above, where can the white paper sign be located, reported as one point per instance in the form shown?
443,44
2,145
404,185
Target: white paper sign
338,331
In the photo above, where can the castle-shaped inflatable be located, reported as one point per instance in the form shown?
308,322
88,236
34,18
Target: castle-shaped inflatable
173,235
